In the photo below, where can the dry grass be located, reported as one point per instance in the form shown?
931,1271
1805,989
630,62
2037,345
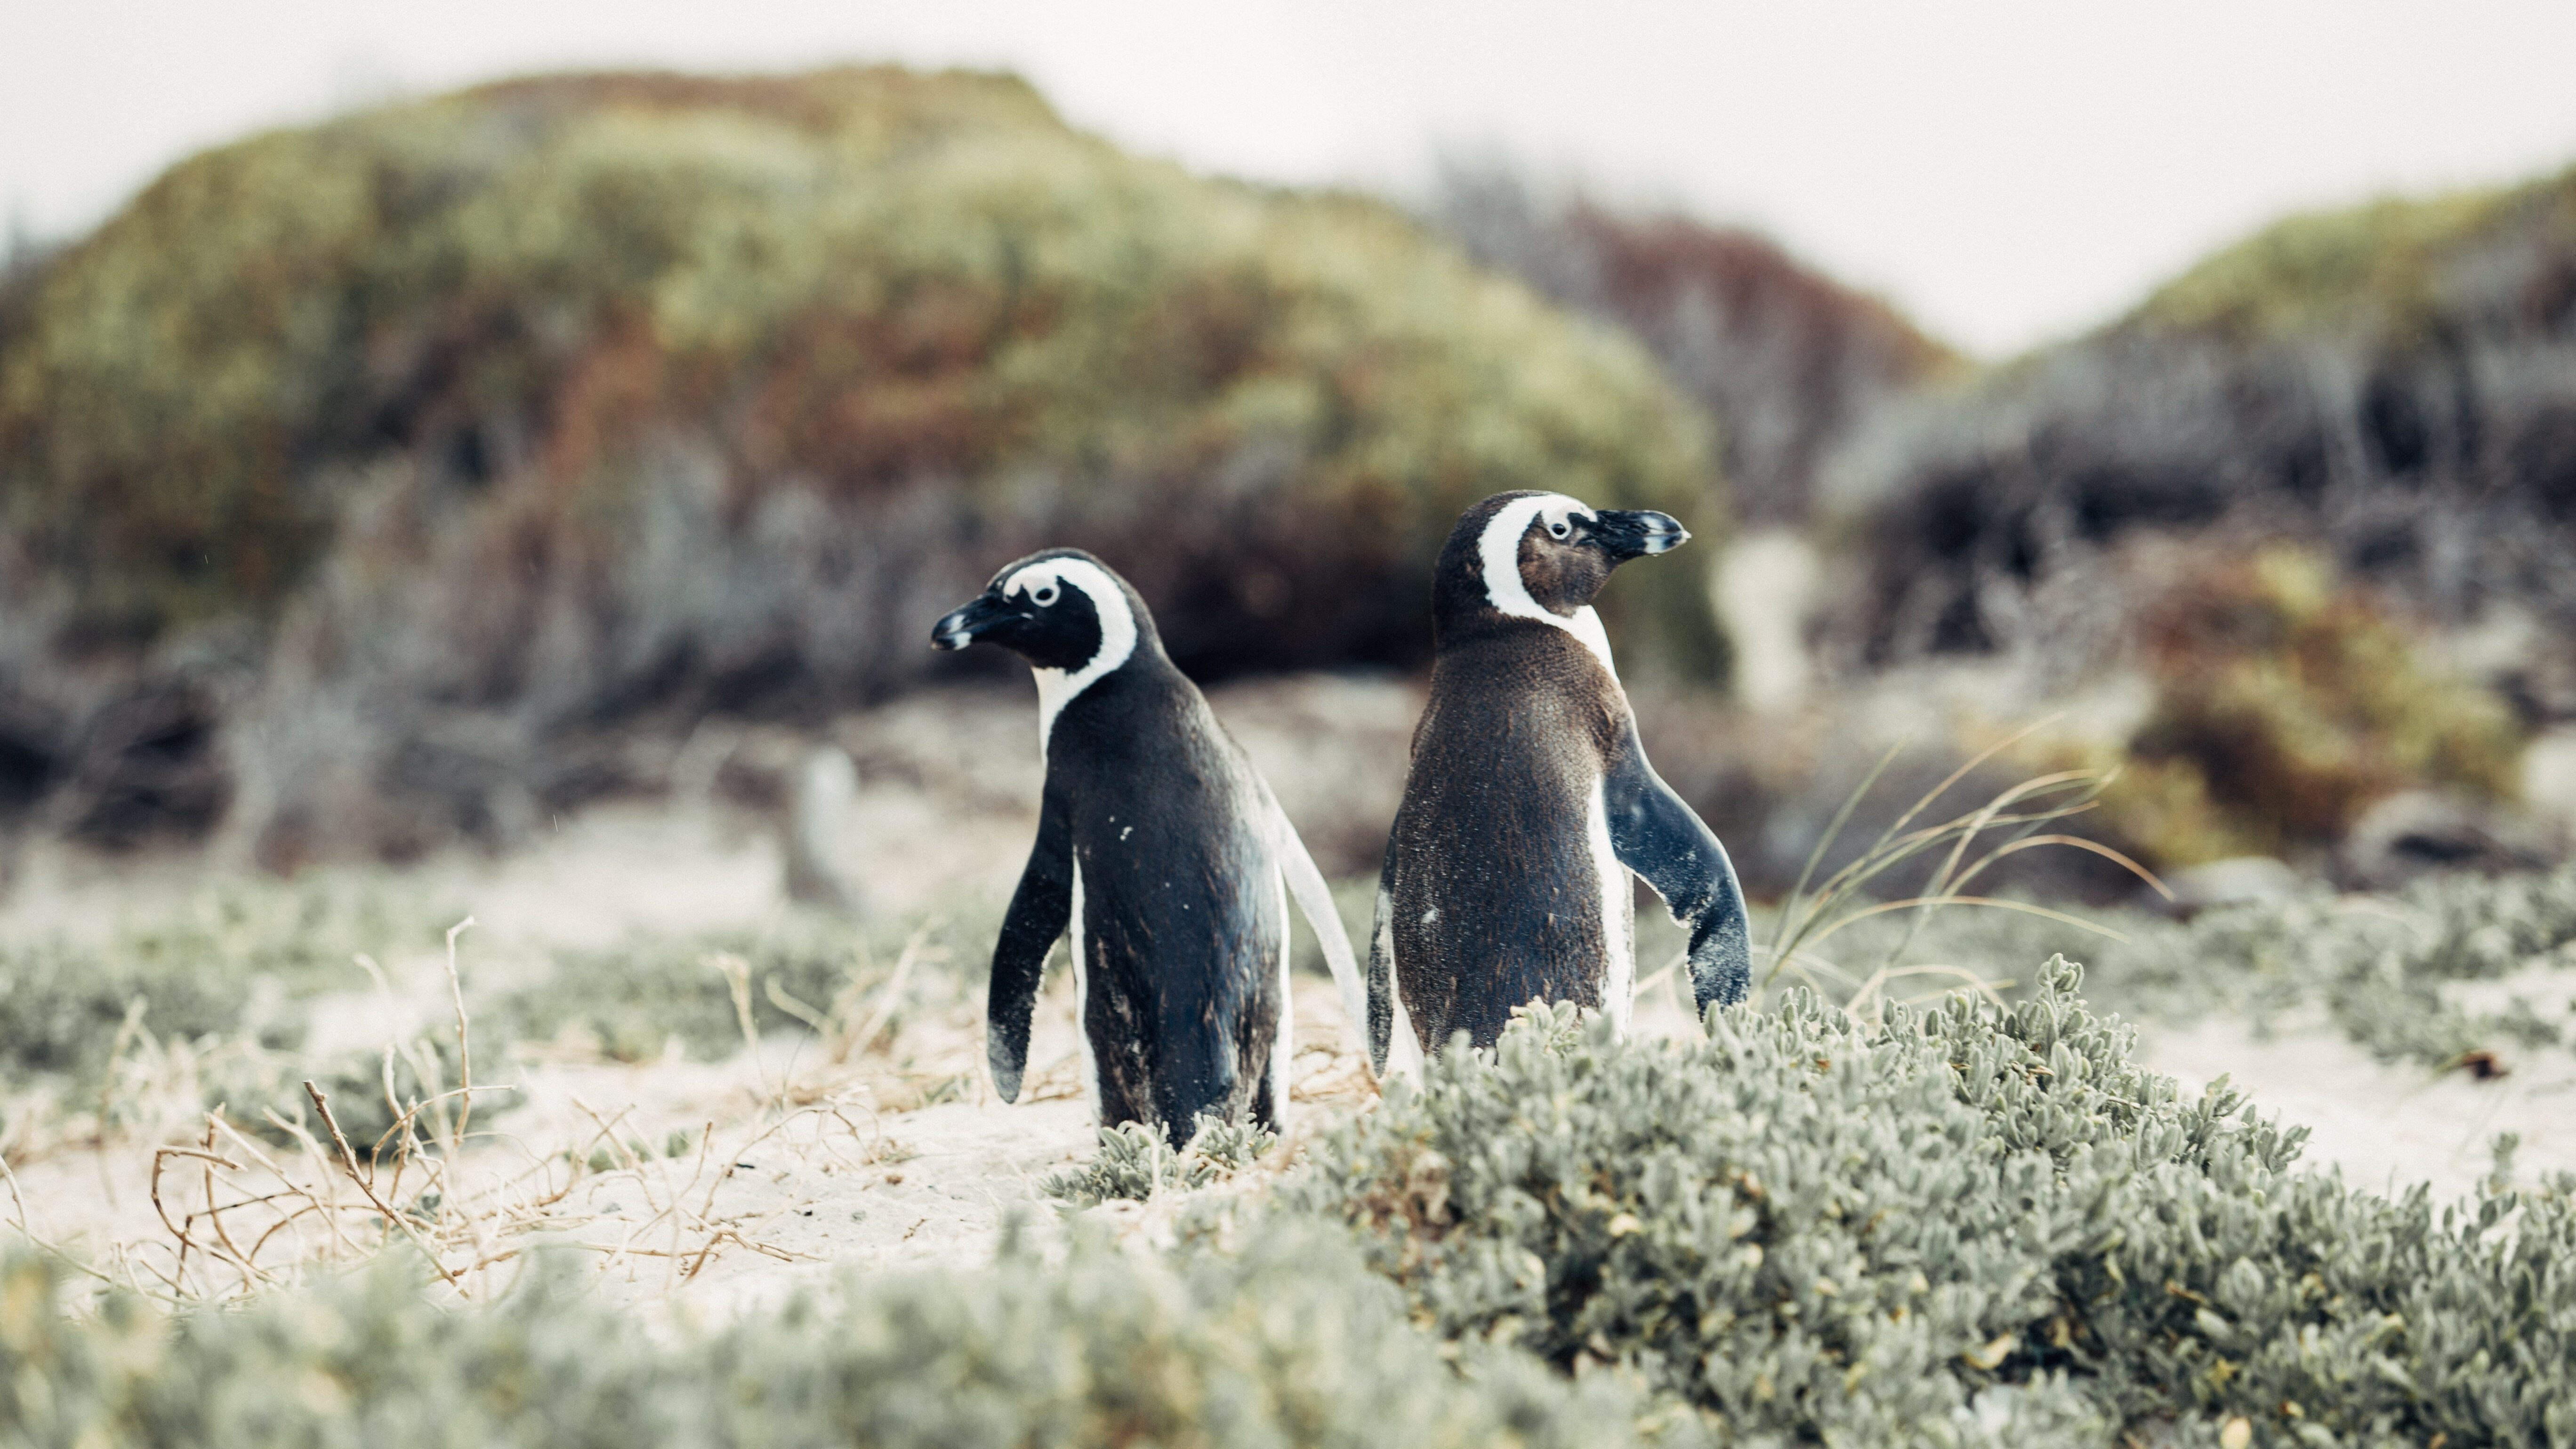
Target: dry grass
473,1173
2015,819
238,1206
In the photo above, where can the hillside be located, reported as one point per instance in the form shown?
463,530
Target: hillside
1786,361
2394,385
367,483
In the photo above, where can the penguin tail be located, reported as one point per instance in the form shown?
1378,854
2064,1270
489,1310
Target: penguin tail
1315,902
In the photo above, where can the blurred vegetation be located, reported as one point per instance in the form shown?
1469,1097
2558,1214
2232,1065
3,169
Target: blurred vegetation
522,417
231,963
2379,262
1291,1343
2284,707
861,281
1785,360
631,1001
214,1005
2393,386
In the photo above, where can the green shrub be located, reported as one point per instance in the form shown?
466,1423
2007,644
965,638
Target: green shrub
497,318
2378,967
2284,708
1135,1162
1823,1231
1293,1343
2382,968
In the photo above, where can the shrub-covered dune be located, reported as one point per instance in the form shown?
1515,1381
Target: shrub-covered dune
1787,361
2395,384
412,449
1970,1226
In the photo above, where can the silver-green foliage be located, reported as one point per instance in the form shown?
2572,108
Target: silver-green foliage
2383,968
1822,1230
1135,1162
2381,972
1292,1343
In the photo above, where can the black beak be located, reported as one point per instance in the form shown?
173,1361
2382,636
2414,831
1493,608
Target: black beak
1626,535
960,626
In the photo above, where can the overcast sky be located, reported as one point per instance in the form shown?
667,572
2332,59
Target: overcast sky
2004,171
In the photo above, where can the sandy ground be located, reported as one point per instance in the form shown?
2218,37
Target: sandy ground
793,1163
2385,1126
790,1165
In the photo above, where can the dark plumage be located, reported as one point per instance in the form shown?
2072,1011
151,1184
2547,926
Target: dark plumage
1160,848
1530,798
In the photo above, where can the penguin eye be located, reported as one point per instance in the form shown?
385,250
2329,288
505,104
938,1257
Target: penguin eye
1560,528
1044,594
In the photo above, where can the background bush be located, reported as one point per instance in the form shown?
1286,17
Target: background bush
424,451
2386,970
2389,384
1787,361
232,961
2284,707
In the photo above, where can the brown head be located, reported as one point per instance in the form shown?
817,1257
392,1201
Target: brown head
1540,557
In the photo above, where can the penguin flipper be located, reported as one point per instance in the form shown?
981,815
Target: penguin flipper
1040,910
1655,833
1315,902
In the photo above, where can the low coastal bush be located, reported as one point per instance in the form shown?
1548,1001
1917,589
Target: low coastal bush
2455,971
1971,1224
1135,1162
2285,706
1291,1343
1967,1225
628,1001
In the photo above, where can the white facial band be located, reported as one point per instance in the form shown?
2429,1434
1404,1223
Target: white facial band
1057,687
1498,549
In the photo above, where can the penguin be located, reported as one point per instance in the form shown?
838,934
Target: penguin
1530,801
1163,851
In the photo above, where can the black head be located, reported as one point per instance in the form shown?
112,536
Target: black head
1061,610
1541,556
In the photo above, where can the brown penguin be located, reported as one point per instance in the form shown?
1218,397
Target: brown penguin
1530,800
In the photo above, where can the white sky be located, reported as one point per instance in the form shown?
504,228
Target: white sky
2006,171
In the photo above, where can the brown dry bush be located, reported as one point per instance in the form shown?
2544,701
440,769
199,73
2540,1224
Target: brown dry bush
1786,361
2284,707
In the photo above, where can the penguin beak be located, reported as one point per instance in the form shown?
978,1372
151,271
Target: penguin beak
960,626
1633,534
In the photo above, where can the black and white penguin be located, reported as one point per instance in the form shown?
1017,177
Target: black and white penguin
1530,800
1163,850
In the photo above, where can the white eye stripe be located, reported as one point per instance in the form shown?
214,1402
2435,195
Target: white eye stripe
1044,583
1498,549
